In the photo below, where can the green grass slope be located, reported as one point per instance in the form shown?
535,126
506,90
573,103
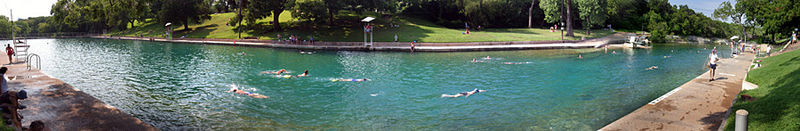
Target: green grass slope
777,98
350,29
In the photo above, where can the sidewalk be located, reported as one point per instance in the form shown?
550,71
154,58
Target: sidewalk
695,105
62,107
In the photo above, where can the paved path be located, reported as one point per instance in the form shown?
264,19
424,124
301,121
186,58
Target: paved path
403,46
62,107
695,105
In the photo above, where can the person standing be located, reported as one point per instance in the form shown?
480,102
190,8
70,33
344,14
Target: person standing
712,63
9,52
412,45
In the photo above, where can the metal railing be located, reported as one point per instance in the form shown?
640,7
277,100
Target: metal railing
30,60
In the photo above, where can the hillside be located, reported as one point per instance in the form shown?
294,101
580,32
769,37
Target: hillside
776,101
409,29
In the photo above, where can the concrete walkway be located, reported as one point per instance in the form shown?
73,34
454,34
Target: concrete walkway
695,105
402,46
62,107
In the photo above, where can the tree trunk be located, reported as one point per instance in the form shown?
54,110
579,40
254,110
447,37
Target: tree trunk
330,17
186,24
275,16
588,25
239,26
133,24
744,32
530,14
569,18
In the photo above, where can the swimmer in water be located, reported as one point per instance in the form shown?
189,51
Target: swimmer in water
487,57
276,72
580,56
475,60
613,52
464,94
356,80
305,73
652,68
515,63
241,92
242,53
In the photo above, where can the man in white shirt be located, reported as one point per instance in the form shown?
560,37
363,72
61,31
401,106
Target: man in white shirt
712,63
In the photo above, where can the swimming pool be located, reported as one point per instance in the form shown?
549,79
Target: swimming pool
176,86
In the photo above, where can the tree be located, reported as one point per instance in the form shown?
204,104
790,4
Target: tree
569,18
258,9
184,12
557,11
530,13
726,11
593,12
5,27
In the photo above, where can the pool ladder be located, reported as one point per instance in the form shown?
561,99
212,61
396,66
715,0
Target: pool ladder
30,59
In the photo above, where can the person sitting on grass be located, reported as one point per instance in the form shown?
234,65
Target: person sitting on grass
465,94
241,92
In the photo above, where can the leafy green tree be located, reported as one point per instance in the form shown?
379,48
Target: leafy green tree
312,10
593,12
184,12
5,27
558,10
627,14
258,9
726,11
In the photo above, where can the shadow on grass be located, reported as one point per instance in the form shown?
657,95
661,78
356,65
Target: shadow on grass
770,111
198,32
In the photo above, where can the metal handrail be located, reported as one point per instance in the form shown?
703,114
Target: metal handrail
38,61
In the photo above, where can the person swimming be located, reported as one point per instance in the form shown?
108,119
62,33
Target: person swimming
487,57
305,73
580,56
516,63
356,80
235,89
275,72
476,60
465,94
652,68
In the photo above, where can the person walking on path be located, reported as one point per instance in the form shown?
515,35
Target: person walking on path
712,63
9,52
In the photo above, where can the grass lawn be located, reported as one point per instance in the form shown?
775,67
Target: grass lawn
409,29
777,98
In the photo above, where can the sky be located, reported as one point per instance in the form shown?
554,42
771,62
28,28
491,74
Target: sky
703,6
26,8
32,8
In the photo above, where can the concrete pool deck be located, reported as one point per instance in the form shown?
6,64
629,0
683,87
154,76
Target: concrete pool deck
62,107
401,46
695,105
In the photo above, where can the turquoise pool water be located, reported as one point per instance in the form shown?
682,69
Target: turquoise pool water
176,86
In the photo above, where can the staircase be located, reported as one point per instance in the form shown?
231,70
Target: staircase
21,50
